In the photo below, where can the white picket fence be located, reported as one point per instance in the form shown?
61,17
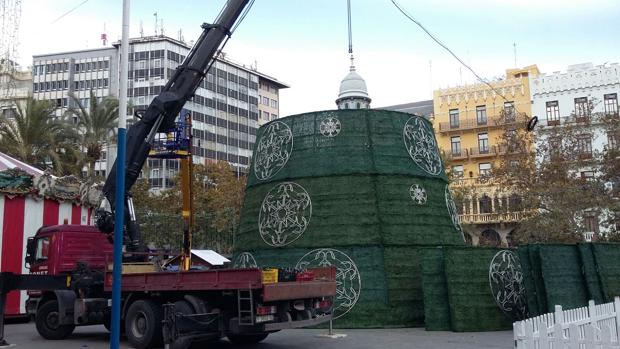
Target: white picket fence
591,327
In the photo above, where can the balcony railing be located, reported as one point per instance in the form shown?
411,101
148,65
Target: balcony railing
473,181
478,152
456,155
485,218
469,124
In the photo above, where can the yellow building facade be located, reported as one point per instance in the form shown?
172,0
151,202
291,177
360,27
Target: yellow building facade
469,124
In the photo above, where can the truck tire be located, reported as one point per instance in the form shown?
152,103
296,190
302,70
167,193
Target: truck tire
48,322
143,324
184,308
246,338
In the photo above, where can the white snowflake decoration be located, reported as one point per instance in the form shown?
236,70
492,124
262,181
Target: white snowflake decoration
273,150
454,215
421,145
506,283
284,214
245,260
418,194
348,278
330,126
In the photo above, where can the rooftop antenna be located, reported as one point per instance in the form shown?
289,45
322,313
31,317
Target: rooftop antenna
514,46
155,14
141,30
350,35
104,36
161,27
181,38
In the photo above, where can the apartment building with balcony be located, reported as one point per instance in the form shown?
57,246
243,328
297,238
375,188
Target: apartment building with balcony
577,98
469,122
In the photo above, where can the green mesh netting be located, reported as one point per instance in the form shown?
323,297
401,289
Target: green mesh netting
435,289
528,280
354,210
607,257
591,274
404,285
367,185
537,276
472,306
368,141
563,279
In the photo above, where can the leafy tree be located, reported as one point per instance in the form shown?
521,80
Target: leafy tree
560,182
218,196
36,137
95,126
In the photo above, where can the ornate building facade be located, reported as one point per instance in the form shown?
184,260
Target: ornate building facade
469,122
573,98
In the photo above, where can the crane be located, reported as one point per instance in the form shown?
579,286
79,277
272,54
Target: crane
160,117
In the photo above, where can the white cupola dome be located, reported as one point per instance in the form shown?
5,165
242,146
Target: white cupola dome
353,92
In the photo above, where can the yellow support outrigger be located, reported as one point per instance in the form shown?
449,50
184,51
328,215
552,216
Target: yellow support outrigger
177,144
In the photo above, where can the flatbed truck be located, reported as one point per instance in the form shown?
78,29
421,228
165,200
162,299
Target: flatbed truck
71,283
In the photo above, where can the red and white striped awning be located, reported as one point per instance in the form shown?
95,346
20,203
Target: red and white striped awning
7,162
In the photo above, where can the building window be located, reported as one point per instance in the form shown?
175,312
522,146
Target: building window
274,103
553,113
484,169
509,110
587,175
266,101
457,171
584,146
590,223
483,143
612,140
610,102
485,204
481,114
581,108
454,118
456,146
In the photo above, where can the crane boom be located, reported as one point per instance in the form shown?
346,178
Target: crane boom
162,112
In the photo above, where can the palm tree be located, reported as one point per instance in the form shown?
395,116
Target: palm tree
34,135
95,125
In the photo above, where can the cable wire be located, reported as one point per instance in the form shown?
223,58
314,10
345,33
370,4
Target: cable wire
71,10
410,17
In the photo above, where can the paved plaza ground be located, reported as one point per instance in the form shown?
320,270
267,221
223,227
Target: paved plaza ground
26,336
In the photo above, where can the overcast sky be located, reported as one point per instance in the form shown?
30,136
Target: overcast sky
303,43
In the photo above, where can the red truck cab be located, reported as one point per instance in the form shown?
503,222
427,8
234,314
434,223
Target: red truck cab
57,249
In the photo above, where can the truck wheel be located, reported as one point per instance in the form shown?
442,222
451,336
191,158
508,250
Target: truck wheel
246,338
48,322
184,308
143,324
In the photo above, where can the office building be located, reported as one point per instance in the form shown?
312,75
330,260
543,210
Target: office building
226,109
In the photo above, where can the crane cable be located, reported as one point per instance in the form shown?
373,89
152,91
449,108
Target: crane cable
531,122
410,17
